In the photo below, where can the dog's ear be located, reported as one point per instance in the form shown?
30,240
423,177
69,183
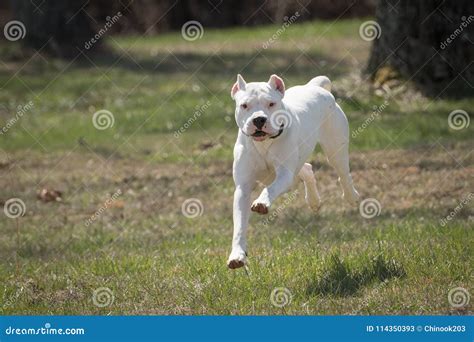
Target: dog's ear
277,83
239,85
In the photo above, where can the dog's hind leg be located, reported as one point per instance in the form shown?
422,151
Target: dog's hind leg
311,191
335,144
339,160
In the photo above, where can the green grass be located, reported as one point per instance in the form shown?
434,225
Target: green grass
160,80
402,267
155,260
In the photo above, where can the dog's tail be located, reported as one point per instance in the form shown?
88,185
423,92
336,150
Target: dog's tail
322,81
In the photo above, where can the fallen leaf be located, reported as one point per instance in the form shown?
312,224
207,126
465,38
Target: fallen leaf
117,204
48,195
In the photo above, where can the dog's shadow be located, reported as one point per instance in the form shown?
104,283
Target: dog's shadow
343,278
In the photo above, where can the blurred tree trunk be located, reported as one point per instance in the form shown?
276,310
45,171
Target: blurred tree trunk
429,41
57,26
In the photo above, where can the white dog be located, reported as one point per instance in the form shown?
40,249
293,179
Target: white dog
278,130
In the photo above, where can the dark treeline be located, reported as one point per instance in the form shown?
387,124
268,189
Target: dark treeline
429,42
155,16
61,26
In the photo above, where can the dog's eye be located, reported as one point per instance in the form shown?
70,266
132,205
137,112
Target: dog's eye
271,104
244,106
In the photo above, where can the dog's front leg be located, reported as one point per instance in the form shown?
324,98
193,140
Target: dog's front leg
283,180
241,215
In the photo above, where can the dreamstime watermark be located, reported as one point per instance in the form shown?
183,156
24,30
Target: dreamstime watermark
375,293
458,119
458,297
12,299
370,30
375,114
369,208
194,291
14,208
192,30
287,21
46,330
196,115
110,21
281,297
192,208
281,118
274,214
21,110
103,208
103,119
464,24
457,209
102,297
14,30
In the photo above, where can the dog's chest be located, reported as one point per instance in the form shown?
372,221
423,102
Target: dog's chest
264,150
265,161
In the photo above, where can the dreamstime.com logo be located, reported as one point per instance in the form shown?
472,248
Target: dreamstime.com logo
458,119
200,110
281,297
373,295
457,209
12,298
375,114
370,30
192,30
192,208
274,214
464,24
102,297
369,208
14,208
103,119
103,208
46,330
458,297
110,21
14,30
21,110
286,24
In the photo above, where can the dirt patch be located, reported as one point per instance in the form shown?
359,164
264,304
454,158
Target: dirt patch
429,177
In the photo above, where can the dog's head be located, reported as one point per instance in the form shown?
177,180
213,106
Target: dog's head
256,103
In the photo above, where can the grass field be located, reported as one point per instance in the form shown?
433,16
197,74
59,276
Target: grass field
141,255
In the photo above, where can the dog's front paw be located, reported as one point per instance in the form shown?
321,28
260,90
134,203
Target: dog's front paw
313,204
259,207
237,259
352,197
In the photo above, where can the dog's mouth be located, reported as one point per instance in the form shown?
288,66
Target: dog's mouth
259,134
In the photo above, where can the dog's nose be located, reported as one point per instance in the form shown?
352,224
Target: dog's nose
259,121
